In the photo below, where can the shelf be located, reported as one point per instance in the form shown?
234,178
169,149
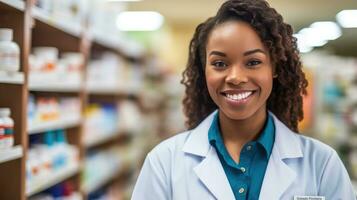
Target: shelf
111,90
55,87
65,26
17,78
102,139
69,122
118,42
88,188
10,154
43,183
15,4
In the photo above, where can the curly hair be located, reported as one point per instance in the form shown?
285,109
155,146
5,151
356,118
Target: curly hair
285,100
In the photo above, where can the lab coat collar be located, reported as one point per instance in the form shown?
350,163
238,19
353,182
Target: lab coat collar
209,170
198,143
278,176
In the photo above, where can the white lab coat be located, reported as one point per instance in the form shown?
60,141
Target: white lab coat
186,166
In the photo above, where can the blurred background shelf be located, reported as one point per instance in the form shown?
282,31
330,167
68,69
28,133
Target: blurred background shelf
52,179
67,27
89,143
55,87
112,90
16,4
68,122
99,182
10,154
17,78
120,44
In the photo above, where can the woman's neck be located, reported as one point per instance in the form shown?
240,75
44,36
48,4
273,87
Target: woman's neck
239,132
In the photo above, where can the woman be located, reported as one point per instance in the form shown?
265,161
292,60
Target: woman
244,86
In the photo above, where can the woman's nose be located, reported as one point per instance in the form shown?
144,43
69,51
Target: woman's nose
236,75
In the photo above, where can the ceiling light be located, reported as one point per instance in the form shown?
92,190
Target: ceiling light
302,44
139,21
305,49
311,37
327,30
347,18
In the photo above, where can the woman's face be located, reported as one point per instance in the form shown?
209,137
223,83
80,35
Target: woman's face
239,72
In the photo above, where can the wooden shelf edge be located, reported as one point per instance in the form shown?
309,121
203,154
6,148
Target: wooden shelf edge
11,154
56,177
60,124
17,78
65,26
16,4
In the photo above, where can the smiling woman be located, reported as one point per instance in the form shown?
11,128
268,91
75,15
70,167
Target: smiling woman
244,86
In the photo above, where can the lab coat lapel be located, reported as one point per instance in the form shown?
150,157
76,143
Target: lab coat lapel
212,175
279,176
209,170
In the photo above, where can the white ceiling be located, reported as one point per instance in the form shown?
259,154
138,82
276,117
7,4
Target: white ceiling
299,13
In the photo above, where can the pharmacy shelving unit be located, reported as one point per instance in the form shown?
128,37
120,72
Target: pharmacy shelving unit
66,37
32,27
14,15
113,95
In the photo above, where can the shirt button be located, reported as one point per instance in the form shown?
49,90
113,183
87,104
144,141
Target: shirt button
242,169
249,147
241,190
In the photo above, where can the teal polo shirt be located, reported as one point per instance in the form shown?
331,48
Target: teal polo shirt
245,177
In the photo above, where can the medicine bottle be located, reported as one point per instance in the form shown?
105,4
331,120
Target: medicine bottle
9,52
6,129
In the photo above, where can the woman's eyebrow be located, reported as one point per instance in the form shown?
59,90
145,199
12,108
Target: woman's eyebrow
254,51
218,53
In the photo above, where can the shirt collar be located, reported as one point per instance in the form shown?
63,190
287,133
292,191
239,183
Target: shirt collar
266,138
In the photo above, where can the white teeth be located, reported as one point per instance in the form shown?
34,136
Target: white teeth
239,96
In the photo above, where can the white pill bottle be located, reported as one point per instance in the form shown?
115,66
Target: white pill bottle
9,52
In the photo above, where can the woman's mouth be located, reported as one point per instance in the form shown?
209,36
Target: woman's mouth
237,97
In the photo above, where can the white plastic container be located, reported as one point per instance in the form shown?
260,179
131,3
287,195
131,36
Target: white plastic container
47,58
7,129
9,52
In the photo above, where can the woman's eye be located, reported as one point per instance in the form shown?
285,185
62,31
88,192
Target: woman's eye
253,63
219,64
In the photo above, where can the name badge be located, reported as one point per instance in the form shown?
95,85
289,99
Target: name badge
309,198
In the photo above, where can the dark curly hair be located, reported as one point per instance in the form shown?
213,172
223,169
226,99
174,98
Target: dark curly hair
285,100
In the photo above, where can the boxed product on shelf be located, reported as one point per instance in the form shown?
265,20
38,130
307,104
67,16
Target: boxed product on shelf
101,120
47,109
46,66
111,119
62,191
111,71
130,115
49,153
100,167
